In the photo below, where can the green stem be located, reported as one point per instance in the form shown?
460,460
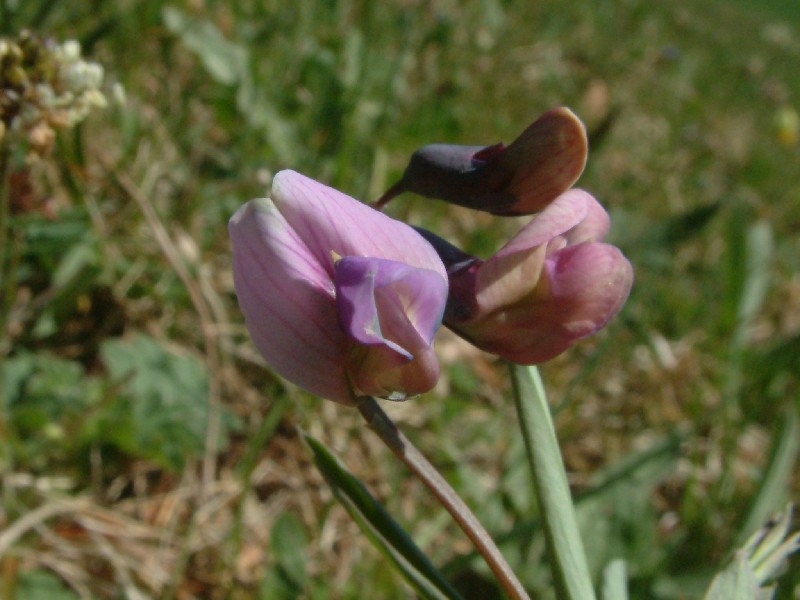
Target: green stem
5,307
402,447
5,210
567,556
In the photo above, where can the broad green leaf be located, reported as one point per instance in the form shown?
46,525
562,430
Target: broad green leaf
76,274
50,402
44,585
14,372
288,541
274,586
81,256
379,526
46,240
167,399
567,557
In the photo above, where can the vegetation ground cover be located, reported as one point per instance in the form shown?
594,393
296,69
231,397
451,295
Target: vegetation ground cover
146,449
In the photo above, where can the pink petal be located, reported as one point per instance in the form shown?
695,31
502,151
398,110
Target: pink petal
390,311
367,288
586,286
562,215
381,372
287,301
328,220
514,270
583,287
594,226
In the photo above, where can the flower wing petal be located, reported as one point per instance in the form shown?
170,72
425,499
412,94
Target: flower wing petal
595,224
586,286
514,270
369,290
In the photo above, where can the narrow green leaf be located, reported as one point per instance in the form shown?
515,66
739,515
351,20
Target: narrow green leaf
759,253
379,526
735,265
776,480
644,466
567,557
615,581
770,547
224,60
737,582
757,562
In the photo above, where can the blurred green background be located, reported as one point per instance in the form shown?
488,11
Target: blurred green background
146,451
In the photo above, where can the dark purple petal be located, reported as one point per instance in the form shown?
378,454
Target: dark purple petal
455,260
544,161
523,178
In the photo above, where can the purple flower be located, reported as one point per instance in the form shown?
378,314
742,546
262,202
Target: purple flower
523,178
554,283
338,298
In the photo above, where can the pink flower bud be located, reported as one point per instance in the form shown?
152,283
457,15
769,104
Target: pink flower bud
554,283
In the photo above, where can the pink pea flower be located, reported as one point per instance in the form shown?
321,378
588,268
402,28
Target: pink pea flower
554,283
519,179
338,298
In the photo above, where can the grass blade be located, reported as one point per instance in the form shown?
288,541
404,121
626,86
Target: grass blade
776,481
615,581
567,557
755,565
379,526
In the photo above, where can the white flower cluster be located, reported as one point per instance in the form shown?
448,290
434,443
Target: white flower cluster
45,86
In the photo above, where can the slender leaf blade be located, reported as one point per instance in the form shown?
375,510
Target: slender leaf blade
776,480
567,556
379,526
737,582
615,581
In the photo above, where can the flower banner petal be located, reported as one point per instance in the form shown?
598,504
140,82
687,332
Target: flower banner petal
328,220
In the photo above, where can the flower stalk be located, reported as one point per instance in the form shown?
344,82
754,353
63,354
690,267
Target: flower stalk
401,446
